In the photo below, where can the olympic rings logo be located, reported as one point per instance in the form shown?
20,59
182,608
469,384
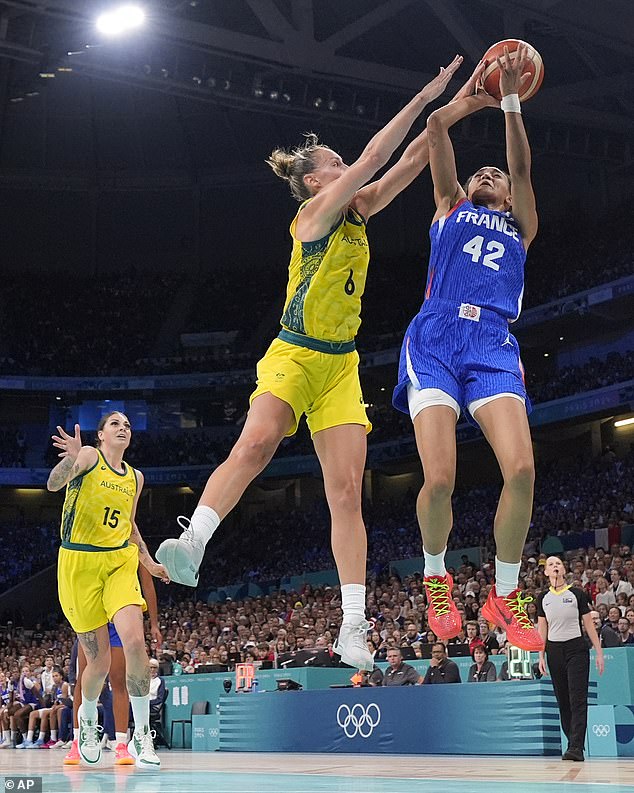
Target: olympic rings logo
601,730
358,720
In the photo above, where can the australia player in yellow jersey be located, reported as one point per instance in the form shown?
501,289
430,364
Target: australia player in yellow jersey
311,368
97,573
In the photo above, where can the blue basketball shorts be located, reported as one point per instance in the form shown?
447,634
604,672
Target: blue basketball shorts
115,639
463,350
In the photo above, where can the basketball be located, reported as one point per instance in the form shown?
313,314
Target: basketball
491,75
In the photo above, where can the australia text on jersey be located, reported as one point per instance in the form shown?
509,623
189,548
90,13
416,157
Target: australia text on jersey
362,243
491,221
115,486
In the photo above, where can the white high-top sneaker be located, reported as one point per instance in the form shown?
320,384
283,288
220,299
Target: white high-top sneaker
89,742
141,747
182,557
352,645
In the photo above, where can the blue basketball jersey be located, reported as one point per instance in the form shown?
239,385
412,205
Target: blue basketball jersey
477,257
27,695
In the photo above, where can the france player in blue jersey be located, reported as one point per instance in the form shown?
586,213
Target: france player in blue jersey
458,353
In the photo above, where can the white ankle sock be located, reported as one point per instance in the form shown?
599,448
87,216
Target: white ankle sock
6,735
88,707
53,735
353,602
140,712
29,735
435,562
121,737
506,577
75,733
204,523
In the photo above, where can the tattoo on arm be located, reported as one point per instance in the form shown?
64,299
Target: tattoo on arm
139,686
60,475
144,554
90,644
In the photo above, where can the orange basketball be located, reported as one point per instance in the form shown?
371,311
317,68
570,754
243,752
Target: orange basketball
491,75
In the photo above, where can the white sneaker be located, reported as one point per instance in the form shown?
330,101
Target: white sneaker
141,747
5,744
182,557
60,745
352,645
89,743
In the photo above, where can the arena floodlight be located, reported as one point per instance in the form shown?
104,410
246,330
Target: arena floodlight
120,20
624,422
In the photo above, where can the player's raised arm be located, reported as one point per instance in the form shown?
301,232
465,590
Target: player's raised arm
376,196
518,153
442,160
325,208
76,459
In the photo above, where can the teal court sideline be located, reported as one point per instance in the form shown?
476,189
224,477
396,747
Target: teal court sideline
224,772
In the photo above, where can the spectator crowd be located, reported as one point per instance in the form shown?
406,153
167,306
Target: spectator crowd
209,446
81,332
570,496
269,629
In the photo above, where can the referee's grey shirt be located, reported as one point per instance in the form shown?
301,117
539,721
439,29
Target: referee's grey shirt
563,610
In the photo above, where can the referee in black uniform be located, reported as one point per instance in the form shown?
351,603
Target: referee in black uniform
561,610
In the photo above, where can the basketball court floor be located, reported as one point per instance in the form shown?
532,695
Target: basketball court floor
224,772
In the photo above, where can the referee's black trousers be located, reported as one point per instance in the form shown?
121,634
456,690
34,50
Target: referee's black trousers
569,665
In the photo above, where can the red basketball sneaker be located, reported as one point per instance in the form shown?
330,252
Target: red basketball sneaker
442,615
509,613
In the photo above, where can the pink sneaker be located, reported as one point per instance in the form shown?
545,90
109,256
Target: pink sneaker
73,758
122,756
49,744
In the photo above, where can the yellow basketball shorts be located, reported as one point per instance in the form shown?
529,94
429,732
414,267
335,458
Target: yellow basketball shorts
94,585
324,386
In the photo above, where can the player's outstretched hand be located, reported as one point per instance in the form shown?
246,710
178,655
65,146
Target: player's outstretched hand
437,86
69,444
158,571
512,74
471,85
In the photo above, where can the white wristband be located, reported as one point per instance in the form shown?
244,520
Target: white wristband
511,103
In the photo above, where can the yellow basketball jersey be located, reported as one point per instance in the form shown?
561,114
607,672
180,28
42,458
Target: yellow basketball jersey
98,506
326,281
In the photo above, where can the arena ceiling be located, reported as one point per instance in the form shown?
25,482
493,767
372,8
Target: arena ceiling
351,63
